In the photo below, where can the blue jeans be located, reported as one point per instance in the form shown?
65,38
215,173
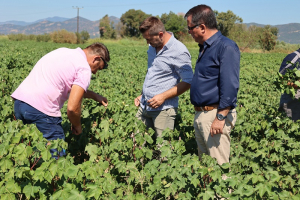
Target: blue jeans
49,126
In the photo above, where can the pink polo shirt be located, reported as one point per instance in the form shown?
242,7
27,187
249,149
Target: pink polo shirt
49,83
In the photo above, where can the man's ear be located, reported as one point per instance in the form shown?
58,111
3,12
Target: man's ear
96,58
160,34
202,27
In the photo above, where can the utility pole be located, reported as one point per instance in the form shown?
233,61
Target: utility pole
77,17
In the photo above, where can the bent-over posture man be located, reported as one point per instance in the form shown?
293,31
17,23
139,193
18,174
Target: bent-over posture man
58,76
215,84
288,105
168,62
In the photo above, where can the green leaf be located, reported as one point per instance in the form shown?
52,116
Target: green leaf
12,186
5,164
92,151
195,180
104,125
28,150
46,155
85,114
53,169
208,194
75,195
30,190
71,172
7,196
48,177
148,138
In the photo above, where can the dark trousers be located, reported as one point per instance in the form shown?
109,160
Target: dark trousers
50,126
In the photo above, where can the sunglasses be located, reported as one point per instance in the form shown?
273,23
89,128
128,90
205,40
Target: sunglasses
191,28
105,63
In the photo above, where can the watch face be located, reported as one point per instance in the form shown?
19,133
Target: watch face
220,117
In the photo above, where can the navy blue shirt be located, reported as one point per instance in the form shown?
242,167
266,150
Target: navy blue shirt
216,77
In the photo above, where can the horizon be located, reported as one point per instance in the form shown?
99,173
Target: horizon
39,20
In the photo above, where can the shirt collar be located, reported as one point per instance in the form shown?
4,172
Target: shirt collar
212,39
170,42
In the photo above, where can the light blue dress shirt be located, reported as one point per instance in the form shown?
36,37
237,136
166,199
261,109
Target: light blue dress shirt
165,70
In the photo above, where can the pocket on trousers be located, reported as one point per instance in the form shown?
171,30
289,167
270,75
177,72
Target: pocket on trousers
172,112
231,118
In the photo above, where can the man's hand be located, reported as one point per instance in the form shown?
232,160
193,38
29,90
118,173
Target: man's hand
102,100
97,97
137,101
217,127
156,101
76,129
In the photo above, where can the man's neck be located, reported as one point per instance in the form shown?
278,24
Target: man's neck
209,33
166,37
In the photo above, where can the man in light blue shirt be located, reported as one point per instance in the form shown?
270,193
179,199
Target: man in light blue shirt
169,61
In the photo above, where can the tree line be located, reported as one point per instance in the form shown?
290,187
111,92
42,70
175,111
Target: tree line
229,24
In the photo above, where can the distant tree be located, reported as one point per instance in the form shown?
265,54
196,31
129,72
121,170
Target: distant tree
132,20
63,36
120,29
243,36
226,21
84,36
268,37
43,38
106,28
174,23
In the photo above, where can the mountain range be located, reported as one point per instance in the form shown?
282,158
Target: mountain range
289,33
51,24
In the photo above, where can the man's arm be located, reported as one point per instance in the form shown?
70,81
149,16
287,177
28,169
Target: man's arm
229,84
74,108
96,97
217,125
177,90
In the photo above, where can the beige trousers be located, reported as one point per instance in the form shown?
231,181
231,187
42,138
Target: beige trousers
218,146
158,120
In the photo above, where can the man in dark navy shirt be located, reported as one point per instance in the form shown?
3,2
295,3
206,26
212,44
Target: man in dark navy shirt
215,84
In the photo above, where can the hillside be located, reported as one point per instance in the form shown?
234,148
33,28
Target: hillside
289,33
46,26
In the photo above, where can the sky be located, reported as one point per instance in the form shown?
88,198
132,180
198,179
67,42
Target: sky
272,12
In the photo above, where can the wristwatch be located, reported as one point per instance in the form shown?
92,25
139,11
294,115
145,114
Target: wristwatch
221,117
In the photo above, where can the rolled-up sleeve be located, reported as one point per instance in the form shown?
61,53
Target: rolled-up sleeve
229,76
184,67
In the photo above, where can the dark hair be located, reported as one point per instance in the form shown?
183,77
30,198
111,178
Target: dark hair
99,49
153,24
203,14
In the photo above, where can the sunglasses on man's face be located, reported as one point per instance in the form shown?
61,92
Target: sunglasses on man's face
105,64
191,28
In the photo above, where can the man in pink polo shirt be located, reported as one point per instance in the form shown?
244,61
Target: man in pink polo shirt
58,76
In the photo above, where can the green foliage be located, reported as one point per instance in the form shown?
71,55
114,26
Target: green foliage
43,38
226,21
63,36
106,28
289,82
132,20
21,37
175,23
109,161
244,37
84,36
268,37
